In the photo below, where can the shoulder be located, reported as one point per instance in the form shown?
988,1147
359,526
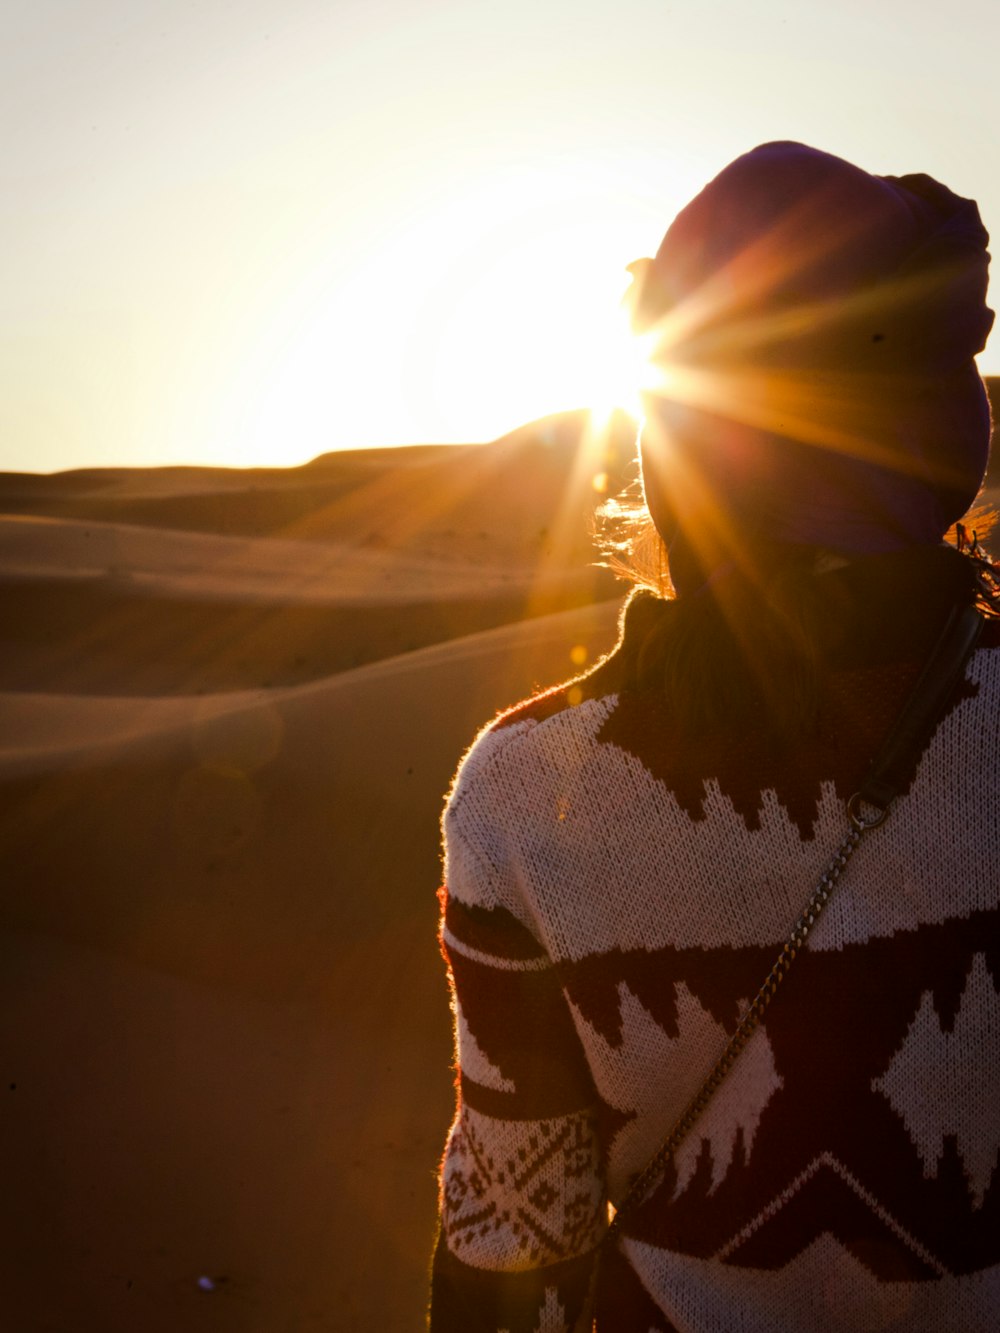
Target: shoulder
520,753
640,613
606,678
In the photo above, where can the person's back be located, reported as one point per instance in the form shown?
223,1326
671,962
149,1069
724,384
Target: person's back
625,858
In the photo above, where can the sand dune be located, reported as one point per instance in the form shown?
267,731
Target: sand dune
222,1006
230,704
39,731
224,1039
111,584
164,563
496,505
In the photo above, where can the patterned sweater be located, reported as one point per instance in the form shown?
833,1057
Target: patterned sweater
614,897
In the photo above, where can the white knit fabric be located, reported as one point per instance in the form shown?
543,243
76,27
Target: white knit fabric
846,1174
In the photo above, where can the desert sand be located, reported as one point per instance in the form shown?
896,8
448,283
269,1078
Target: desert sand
230,705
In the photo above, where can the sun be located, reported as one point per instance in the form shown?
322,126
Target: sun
541,328
491,329
623,370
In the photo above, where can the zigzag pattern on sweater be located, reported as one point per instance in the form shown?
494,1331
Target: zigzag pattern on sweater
614,900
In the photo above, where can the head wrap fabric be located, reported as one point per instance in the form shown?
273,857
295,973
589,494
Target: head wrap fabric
819,326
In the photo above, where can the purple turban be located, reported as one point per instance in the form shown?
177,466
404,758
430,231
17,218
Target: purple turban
818,326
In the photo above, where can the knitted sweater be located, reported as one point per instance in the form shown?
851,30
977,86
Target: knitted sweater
615,895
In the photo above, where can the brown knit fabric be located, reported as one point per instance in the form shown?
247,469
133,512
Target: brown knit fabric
614,897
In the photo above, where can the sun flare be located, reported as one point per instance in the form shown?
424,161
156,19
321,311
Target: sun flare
557,335
486,333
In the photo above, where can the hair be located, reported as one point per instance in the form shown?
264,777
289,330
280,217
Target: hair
751,648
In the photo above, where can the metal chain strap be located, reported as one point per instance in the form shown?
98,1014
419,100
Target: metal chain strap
748,1024
884,780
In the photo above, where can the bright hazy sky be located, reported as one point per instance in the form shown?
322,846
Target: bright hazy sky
251,232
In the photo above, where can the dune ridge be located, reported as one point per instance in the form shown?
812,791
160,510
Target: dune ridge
122,585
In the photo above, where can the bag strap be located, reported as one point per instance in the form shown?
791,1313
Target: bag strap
866,809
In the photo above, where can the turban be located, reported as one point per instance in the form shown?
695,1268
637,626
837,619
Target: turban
818,327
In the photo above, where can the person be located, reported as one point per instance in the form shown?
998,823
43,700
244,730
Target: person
624,858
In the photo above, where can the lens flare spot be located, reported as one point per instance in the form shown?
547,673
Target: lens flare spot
578,654
574,696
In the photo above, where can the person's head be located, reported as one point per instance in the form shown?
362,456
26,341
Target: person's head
817,327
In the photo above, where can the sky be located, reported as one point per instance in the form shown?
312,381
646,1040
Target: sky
248,233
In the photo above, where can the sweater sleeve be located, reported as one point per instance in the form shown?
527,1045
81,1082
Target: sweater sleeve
522,1203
